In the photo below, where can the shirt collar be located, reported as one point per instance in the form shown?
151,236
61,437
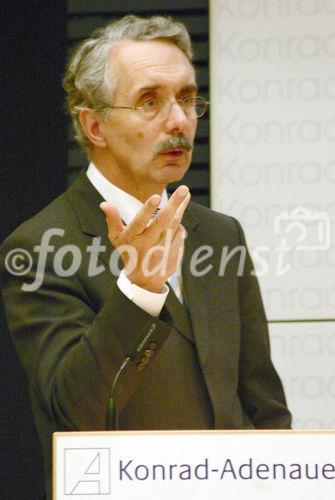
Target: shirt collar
127,205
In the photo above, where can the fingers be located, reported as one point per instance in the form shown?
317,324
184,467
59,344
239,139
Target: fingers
177,218
179,242
171,246
176,206
171,216
182,207
113,219
141,220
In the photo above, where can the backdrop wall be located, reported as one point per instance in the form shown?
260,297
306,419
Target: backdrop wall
273,167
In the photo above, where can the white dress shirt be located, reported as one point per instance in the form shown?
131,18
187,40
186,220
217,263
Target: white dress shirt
128,206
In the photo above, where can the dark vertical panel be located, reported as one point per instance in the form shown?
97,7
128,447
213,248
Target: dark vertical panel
84,16
33,172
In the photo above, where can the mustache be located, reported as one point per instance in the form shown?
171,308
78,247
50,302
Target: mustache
174,142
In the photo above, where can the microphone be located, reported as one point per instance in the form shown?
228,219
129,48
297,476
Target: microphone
112,413
134,349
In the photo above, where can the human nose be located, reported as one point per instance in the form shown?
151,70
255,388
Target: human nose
176,117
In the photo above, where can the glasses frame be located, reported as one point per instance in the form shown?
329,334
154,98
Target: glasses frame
180,102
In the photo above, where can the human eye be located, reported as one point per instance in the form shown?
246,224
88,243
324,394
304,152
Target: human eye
151,104
187,101
187,98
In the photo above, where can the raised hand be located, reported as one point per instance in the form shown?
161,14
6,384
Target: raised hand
150,249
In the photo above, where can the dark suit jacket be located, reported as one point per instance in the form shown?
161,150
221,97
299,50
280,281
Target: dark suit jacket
72,333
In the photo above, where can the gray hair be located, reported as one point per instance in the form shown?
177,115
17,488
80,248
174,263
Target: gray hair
89,80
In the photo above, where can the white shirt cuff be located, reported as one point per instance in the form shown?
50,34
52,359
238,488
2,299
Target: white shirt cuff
150,302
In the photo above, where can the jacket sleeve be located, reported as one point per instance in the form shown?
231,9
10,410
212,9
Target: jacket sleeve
70,351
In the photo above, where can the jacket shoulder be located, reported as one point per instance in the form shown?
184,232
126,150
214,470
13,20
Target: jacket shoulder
216,222
58,213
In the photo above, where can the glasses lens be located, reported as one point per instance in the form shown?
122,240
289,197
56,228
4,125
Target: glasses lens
151,108
200,106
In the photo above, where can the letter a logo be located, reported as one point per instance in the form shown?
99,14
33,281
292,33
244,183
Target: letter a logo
87,471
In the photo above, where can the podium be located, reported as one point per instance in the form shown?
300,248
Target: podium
194,465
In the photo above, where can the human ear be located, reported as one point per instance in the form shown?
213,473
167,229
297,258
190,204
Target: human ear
91,124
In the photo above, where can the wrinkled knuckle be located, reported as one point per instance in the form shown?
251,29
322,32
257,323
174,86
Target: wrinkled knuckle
140,227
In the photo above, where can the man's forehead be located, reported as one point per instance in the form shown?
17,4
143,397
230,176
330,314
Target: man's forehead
192,87
151,60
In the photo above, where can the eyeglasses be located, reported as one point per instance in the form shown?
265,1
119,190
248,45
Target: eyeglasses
192,107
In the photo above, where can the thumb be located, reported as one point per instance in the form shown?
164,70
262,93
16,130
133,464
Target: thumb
113,220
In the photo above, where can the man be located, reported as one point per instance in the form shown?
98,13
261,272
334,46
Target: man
156,347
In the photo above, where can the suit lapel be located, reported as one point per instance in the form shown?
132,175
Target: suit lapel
179,314
195,288
86,200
